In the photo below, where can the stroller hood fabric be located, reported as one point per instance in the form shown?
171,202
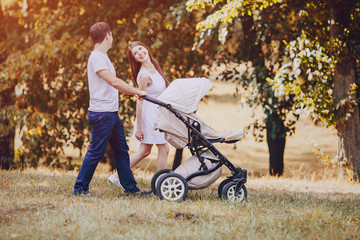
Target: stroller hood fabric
184,94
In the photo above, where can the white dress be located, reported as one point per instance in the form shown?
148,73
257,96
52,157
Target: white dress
150,110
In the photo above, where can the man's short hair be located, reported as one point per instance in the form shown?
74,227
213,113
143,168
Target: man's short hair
98,31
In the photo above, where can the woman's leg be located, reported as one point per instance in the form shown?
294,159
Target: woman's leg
143,152
162,156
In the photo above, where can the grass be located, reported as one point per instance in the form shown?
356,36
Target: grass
37,204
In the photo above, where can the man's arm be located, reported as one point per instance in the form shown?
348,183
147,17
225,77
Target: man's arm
119,84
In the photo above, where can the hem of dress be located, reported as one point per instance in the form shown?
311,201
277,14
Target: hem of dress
147,142
154,143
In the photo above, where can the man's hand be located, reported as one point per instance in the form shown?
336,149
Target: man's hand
141,94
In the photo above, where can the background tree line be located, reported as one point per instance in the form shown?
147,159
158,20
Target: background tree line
301,57
45,48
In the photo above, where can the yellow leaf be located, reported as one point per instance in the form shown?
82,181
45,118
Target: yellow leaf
82,11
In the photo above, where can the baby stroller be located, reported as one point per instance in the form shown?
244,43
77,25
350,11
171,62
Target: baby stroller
182,127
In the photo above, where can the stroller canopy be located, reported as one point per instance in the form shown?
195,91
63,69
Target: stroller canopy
184,94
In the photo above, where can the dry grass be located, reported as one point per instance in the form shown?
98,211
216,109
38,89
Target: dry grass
37,204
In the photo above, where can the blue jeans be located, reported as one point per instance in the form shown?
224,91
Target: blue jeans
106,126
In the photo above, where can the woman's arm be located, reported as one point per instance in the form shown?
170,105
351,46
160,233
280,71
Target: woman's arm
144,82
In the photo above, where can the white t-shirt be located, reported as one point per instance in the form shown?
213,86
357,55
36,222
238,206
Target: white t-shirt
103,97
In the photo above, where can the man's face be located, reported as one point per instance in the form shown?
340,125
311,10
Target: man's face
109,39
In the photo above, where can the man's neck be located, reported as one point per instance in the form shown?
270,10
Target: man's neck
101,48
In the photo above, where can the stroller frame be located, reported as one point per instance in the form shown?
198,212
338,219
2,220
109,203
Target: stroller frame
198,144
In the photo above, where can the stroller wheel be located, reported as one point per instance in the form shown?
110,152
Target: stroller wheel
156,177
221,186
228,192
172,187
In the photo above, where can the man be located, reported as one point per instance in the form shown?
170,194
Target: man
104,88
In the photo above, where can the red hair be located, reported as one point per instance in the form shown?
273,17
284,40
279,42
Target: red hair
135,65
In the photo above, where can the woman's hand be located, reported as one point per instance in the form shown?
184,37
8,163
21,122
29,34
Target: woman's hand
139,134
141,94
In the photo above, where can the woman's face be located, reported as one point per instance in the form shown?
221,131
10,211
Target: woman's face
140,53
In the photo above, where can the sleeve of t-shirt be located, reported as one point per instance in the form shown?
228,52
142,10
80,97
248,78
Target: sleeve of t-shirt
99,63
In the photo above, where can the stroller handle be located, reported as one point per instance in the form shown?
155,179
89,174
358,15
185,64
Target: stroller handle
154,100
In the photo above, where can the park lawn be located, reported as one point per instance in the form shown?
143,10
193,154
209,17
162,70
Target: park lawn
38,204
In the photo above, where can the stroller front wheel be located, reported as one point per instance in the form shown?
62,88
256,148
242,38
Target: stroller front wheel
172,187
228,192
156,177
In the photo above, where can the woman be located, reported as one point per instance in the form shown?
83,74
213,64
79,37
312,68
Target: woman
148,76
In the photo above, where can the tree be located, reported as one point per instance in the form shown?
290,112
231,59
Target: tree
7,96
318,72
47,61
251,35
324,75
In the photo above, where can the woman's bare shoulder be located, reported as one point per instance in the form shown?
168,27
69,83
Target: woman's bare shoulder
144,79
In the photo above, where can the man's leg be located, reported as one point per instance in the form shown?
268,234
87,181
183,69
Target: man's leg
144,151
121,154
101,130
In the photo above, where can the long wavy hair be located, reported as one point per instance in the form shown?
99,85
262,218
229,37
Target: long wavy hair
135,65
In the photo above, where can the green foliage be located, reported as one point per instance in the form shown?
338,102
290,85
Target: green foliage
48,45
309,77
254,41
309,70
311,59
225,14
307,57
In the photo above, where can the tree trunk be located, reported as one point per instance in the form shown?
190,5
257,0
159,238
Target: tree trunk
7,97
178,158
275,129
348,132
276,153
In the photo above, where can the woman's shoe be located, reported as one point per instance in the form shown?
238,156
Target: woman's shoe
114,180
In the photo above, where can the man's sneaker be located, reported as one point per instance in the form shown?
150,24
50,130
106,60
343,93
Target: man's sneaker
114,180
140,193
86,194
